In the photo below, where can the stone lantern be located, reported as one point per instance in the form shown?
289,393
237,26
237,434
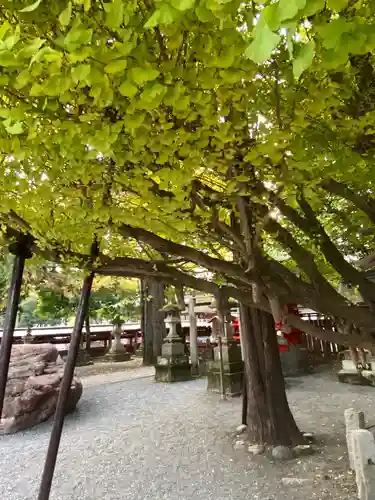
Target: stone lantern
173,364
117,351
230,350
28,338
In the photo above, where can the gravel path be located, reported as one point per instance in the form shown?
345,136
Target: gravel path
137,440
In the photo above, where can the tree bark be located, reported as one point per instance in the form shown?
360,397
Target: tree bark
269,419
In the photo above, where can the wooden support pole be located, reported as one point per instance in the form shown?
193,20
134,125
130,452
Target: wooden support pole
54,443
21,252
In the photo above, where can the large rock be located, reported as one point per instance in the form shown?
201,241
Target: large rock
33,385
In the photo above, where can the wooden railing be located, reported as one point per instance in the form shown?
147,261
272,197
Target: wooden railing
321,350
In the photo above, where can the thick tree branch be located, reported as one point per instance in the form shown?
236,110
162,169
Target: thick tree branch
202,259
362,201
332,305
245,226
334,256
303,258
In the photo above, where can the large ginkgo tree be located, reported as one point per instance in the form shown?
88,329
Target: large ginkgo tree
224,145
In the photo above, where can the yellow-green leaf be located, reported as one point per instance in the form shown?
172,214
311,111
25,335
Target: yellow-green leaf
115,13
15,129
141,75
289,8
154,20
304,58
183,4
3,29
127,89
116,66
66,15
81,72
337,5
264,42
165,15
32,7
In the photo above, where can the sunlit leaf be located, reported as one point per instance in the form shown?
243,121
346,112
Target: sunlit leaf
32,7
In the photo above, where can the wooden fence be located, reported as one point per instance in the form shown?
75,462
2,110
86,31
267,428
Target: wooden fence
322,351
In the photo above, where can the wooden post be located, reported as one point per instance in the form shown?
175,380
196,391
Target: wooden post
244,393
193,336
222,387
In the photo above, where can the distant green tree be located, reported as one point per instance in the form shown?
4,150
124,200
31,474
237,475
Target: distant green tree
28,315
114,306
54,306
5,270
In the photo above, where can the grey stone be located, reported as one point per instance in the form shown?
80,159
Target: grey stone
117,352
303,450
282,453
173,365
294,481
239,444
32,391
295,361
233,370
256,449
241,429
309,436
364,463
354,420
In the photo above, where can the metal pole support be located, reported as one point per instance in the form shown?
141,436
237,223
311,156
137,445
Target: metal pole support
21,251
53,447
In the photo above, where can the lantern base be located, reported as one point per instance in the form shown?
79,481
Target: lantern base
172,369
116,357
294,360
84,358
233,370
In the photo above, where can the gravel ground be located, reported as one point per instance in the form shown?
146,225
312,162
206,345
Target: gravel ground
137,440
106,373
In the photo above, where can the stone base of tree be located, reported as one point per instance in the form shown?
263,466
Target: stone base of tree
83,358
233,370
172,369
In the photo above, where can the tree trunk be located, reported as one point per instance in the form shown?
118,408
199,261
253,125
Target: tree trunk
153,319
269,419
